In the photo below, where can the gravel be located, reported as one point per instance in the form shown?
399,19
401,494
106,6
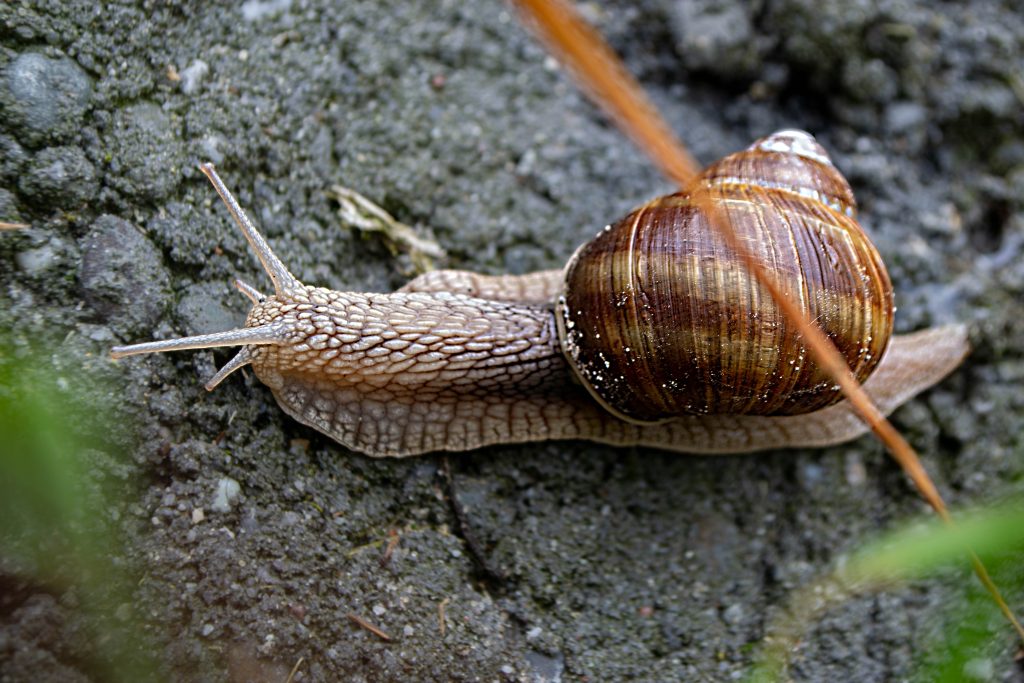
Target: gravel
572,561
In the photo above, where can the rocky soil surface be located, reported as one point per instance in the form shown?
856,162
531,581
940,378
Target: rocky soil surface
252,538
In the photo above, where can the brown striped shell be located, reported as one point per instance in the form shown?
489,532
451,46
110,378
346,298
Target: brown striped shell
660,318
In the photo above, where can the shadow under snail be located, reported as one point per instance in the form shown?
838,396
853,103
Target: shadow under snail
654,334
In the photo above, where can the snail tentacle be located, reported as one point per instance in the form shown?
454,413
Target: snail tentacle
284,281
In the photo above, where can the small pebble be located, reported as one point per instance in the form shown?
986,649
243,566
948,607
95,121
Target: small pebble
733,614
870,80
811,475
36,261
856,473
226,495
254,10
545,668
13,158
192,77
123,277
903,117
59,177
211,146
715,38
147,152
200,309
50,97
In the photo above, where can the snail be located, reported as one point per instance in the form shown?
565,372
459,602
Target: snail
653,334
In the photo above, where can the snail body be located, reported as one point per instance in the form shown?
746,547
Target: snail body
456,360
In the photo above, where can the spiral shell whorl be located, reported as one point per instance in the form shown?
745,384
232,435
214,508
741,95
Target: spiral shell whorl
660,318
790,160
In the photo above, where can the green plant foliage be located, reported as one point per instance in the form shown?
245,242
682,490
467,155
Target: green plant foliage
56,530
995,534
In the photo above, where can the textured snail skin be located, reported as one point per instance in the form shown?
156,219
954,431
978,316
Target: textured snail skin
407,373
425,369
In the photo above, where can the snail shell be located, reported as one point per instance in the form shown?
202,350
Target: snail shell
659,318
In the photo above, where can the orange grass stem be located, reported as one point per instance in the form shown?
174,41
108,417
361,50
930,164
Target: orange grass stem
605,79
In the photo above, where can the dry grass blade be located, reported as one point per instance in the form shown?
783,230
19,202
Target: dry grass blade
295,670
826,355
605,78
393,539
13,226
442,618
363,623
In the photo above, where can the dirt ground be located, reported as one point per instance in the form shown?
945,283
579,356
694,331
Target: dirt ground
252,538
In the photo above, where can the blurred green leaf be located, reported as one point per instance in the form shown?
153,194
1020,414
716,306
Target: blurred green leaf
995,534
923,548
56,506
